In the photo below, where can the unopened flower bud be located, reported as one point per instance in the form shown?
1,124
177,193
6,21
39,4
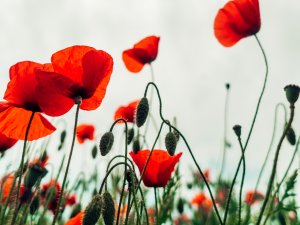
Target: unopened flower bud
34,173
63,135
227,85
34,205
106,143
76,209
108,209
180,205
291,136
142,112
94,152
237,130
93,211
130,135
136,146
170,142
292,93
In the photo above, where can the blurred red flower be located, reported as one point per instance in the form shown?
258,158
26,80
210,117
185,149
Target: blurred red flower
23,99
253,197
6,143
201,200
7,185
84,132
78,71
127,112
143,52
160,166
54,193
76,220
236,20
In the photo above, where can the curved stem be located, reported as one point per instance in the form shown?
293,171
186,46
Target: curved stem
242,181
271,180
20,171
188,147
68,165
271,144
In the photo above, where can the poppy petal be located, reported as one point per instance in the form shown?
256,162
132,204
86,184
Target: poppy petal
14,122
55,93
135,59
6,143
97,67
85,131
167,167
68,61
150,44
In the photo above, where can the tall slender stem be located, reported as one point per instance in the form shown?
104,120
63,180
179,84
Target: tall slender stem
20,170
68,165
271,180
156,206
242,181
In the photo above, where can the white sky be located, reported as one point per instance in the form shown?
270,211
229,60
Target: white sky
190,70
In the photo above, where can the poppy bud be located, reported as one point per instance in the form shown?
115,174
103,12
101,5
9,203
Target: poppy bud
170,142
63,135
291,136
180,205
237,130
106,143
292,93
94,152
93,211
136,146
177,135
108,210
130,178
34,173
34,205
227,85
189,185
142,112
76,209
130,135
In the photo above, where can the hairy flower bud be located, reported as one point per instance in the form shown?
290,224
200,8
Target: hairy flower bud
291,136
237,130
171,142
130,135
142,112
180,205
108,210
106,143
92,212
76,209
34,173
34,205
94,152
136,146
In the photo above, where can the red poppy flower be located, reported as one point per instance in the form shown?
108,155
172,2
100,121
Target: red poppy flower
54,201
160,166
41,161
22,100
202,201
78,71
143,52
71,200
253,197
127,112
6,143
76,220
84,132
236,20
6,186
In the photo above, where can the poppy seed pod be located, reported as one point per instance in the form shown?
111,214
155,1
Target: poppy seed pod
106,143
34,173
94,152
291,136
136,146
171,142
93,211
237,130
130,135
142,112
292,93
108,209
34,205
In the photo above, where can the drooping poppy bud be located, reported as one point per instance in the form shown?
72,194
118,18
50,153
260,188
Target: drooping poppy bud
142,112
227,85
130,135
108,210
62,139
292,93
291,136
171,142
94,152
237,130
106,143
180,205
93,211
136,146
34,173
76,209
34,205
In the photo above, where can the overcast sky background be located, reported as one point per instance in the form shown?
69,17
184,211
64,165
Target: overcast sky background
191,68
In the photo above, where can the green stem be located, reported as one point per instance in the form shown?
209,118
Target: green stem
156,206
127,211
242,182
68,165
20,171
271,180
